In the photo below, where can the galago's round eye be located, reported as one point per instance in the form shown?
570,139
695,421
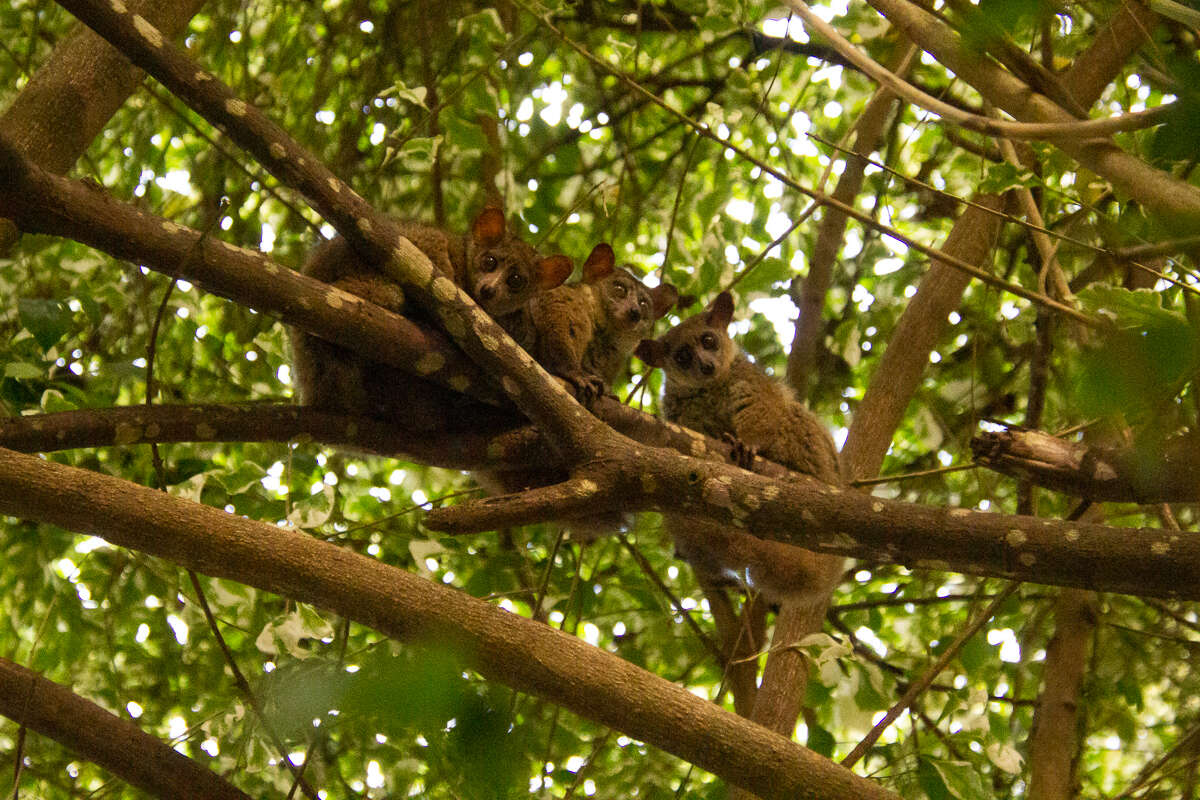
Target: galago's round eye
490,263
516,281
708,341
683,357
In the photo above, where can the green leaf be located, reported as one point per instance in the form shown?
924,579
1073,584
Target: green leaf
976,654
821,741
1004,176
1143,362
315,510
952,780
47,320
23,371
1129,308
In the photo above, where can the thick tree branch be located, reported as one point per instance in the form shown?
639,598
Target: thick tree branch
43,203
1093,69
1156,190
100,736
1167,473
916,334
268,422
374,236
826,519
925,320
810,294
486,440
1054,745
74,94
504,647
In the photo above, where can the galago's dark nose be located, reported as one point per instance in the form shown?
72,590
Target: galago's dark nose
487,292
706,367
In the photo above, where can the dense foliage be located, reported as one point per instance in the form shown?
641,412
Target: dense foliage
418,105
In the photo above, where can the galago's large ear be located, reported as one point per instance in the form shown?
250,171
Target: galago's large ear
720,312
488,228
552,271
652,351
600,263
664,296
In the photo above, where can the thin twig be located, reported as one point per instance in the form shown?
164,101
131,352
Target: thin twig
820,197
649,572
915,690
244,686
1084,129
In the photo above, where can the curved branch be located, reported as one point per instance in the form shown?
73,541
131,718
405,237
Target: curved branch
1077,129
375,237
1156,190
100,736
504,647
43,203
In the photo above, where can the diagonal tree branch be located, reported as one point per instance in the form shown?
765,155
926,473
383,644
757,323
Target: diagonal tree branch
75,93
374,236
100,736
43,203
1156,190
504,647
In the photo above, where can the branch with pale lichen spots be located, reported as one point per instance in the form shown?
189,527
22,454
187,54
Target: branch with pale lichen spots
40,202
504,647
805,512
374,236
485,439
45,203
261,422
1164,473
798,511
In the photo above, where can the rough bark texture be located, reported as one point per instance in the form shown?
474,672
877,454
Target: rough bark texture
74,94
868,132
916,334
99,736
1156,472
1158,191
1054,745
501,646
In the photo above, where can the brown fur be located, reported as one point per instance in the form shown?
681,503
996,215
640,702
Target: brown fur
498,270
712,387
585,332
